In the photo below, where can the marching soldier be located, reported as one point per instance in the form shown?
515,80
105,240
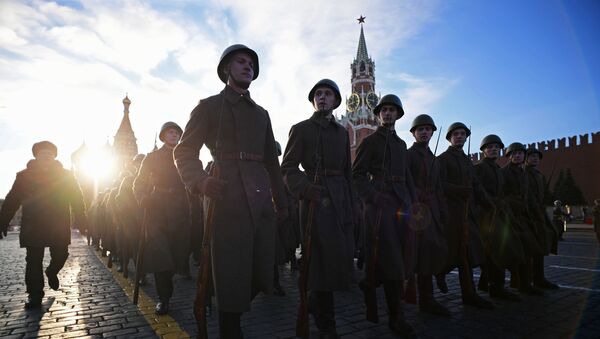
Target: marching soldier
539,222
48,193
502,245
249,193
321,146
515,190
383,181
161,193
462,189
431,243
129,214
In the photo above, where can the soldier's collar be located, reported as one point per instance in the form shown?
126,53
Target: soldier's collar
234,97
321,119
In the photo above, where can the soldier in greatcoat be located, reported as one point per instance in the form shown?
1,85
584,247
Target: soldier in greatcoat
249,192
516,193
502,245
462,190
48,194
162,194
322,147
431,242
539,221
129,214
384,183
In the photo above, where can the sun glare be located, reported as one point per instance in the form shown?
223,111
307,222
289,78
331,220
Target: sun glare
98,164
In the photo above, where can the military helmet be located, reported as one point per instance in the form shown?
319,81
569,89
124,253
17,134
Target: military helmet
389,99
557,203
515,146
166,126
422,119
225,58
328,83
491,139
38,146
454,126
278,146
532,150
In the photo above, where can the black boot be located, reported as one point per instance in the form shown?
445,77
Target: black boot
162,308
440,281
33,302
53,280
229,325
473,299
499,292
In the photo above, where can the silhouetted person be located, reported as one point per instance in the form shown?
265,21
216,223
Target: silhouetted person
48,193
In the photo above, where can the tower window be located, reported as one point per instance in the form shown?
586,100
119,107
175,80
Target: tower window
362,66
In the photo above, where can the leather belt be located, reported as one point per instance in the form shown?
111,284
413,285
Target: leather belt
390,178
326,173
169,190
239,156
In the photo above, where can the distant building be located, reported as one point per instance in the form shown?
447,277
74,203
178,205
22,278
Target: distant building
123,149
359,119
581,155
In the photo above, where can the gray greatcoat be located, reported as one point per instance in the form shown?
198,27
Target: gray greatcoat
501,240
160,191
458,176
539,221
48,195
332,250
431,241
381,169
516,191
243,243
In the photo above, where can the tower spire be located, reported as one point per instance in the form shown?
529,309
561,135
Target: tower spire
362,54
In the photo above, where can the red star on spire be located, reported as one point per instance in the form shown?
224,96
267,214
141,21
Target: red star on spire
361,20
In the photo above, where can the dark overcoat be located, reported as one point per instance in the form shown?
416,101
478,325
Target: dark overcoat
516,193
243,243
501,241
129,215
381,169
167,213
539,221
324,141
48,194
432,247
457,174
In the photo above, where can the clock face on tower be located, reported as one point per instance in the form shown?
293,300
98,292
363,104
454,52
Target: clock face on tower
372,100
352,102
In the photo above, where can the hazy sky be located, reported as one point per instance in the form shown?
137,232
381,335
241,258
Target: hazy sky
526,70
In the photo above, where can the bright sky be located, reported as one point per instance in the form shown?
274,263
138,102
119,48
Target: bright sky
526,70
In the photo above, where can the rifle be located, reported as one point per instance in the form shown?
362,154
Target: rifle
370,294
205,257
464,251
140,258
302,322
205,266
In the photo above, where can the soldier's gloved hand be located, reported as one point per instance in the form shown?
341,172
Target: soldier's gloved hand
282,214
213,187
313,192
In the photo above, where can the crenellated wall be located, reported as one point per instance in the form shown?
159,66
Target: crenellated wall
580,153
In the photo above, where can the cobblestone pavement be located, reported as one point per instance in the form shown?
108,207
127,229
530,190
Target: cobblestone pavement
96,301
